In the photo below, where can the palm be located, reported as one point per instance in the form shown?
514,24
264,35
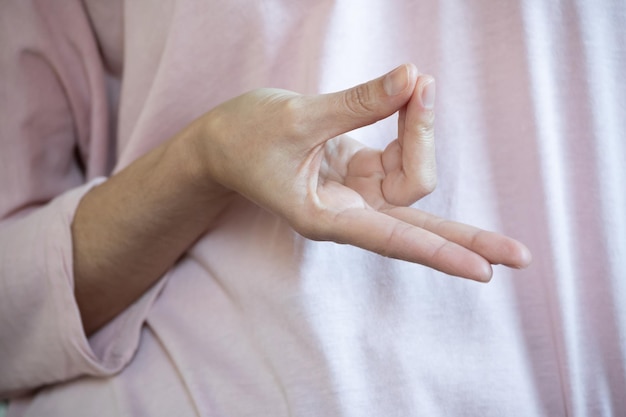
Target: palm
351,176
351,192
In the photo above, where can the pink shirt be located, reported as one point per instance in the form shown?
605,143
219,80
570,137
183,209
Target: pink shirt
258,321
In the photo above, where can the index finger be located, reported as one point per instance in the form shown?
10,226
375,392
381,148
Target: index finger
409,161
416,133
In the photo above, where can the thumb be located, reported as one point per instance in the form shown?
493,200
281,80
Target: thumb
367,103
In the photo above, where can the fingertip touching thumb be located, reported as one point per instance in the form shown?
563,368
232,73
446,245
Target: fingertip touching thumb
398,80
367,103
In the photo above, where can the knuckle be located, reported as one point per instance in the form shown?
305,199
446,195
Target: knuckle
397,234
425,131
360,99
427,184
422,185
293,117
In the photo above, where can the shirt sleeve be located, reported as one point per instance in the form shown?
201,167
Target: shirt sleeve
54,147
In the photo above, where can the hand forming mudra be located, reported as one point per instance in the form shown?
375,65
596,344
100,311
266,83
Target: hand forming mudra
287,152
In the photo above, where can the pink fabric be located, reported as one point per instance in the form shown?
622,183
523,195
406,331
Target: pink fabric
256,320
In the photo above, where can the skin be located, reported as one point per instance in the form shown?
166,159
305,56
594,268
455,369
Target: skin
288,153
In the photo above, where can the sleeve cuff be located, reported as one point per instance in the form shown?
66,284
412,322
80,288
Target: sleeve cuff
43,340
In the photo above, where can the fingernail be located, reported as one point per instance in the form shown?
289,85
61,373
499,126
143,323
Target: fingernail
396,81
428,95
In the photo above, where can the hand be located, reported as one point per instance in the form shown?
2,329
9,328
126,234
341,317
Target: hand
287,152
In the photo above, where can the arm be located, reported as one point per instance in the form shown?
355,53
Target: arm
128,231
53,149
281,150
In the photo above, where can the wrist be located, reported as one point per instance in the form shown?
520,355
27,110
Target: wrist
197,177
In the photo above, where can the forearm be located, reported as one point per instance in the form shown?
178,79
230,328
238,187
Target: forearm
276,148
128,231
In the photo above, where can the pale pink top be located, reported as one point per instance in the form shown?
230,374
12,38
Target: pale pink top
258,321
